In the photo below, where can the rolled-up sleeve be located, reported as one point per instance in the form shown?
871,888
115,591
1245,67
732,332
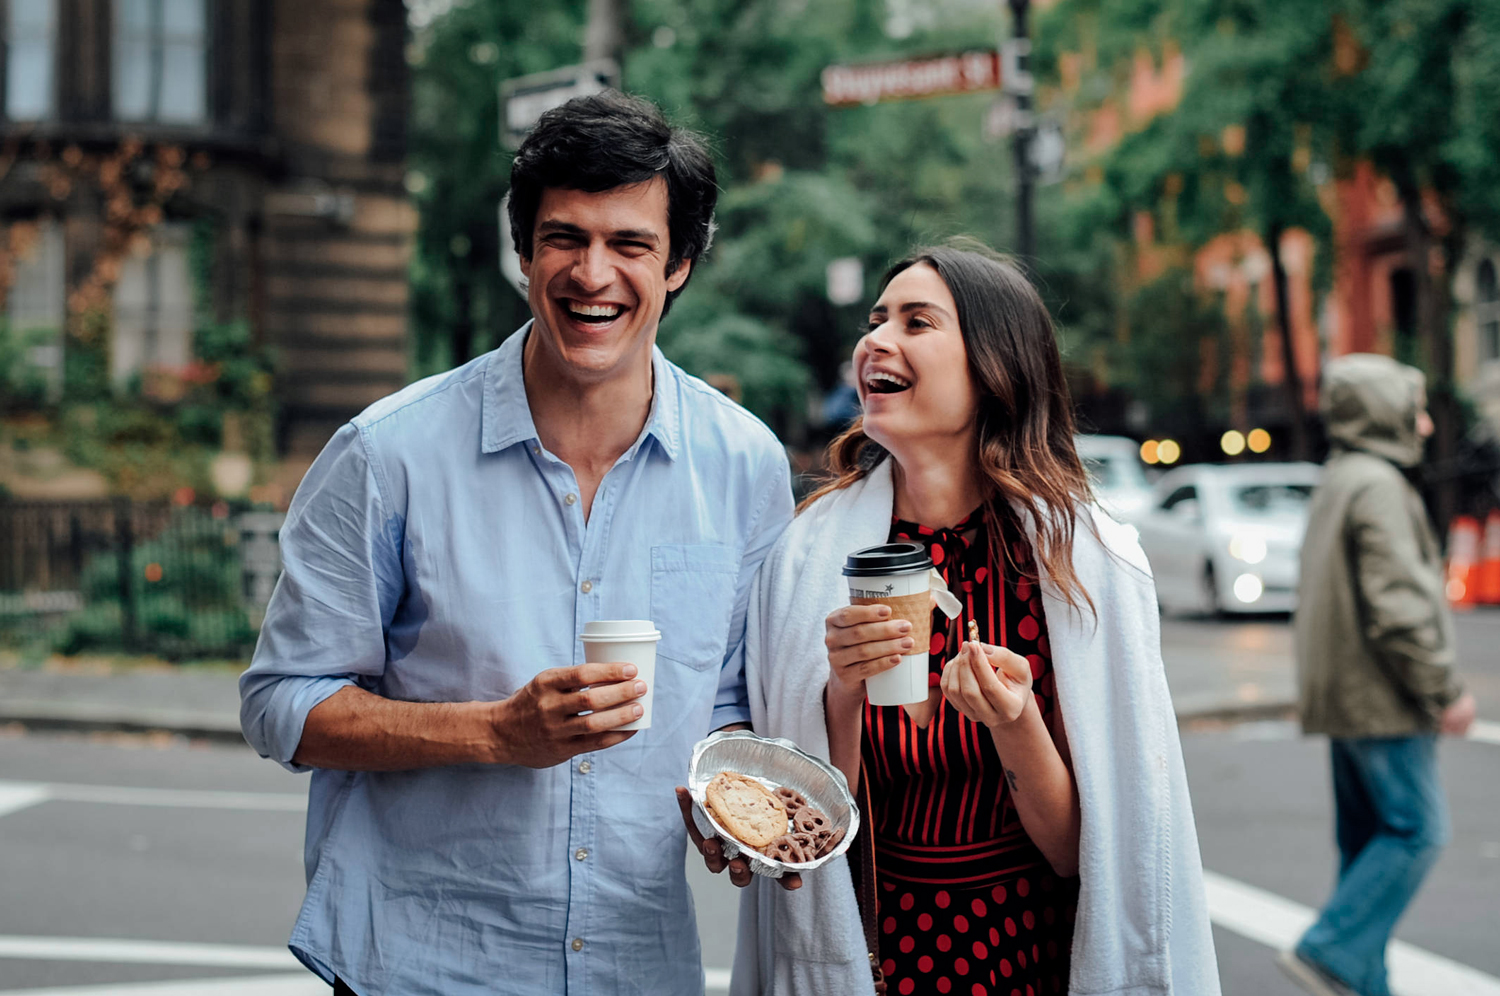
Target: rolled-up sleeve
732,701
341,581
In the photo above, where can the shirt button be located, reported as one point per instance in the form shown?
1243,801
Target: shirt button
586,587
581,854
584,767
570,498
577,944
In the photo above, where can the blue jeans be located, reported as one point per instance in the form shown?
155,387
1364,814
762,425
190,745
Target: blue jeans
1391,822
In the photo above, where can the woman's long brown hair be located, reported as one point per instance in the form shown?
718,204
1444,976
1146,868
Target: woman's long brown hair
1024,446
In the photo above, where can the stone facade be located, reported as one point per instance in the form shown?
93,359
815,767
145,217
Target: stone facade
288,129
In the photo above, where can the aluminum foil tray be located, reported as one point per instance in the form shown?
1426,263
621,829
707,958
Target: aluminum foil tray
774,763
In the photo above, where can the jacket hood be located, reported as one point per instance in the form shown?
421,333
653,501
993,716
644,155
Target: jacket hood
1370,403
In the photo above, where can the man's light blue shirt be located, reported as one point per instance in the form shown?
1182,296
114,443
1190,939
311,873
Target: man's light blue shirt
436,552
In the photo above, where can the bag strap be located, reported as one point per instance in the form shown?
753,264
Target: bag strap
862,868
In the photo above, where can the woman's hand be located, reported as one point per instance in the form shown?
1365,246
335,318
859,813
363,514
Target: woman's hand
990,685
863,641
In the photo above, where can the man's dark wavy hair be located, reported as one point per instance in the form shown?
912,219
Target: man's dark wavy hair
610,140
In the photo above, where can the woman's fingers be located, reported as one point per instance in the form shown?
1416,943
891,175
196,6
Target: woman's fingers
964,678
854,615
845,656
868,632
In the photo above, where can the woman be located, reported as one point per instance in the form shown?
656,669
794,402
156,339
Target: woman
1030,821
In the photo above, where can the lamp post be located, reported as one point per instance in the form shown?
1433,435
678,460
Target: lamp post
1018,83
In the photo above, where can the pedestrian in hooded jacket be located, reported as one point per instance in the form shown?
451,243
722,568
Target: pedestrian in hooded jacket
1375,660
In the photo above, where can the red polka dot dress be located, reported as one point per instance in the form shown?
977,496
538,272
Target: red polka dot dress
967,903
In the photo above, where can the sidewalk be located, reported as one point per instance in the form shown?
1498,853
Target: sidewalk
1215,672
203,702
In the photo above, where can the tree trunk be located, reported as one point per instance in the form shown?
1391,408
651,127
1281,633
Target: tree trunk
1293,376
463,320
1433,328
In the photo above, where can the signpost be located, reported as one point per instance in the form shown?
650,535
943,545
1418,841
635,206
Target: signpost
939,76
1038,146
525,99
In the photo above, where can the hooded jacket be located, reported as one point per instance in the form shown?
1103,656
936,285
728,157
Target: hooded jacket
1374,635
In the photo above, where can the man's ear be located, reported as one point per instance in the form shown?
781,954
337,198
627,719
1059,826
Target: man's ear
526,267
679,276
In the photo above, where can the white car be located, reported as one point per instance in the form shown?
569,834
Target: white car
1117,474
1227,538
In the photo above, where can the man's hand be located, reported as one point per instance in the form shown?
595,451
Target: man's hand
540,725
713,853
1459,716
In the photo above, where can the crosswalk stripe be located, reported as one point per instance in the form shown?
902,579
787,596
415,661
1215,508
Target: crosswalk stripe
1485,731
1278,923
14,798
304,984
148,952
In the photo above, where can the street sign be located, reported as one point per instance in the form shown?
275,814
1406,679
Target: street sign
525,99
964,72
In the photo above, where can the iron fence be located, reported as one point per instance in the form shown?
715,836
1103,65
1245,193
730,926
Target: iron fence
140,577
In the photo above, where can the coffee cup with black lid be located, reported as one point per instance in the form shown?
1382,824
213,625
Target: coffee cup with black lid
897,575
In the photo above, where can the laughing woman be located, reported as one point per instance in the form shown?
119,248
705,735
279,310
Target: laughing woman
1027,828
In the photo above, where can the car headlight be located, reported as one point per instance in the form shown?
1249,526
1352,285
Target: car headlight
1247,547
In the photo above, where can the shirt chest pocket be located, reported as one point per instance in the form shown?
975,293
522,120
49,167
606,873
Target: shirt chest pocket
692,601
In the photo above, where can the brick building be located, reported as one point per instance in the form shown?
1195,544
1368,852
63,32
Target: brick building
272,129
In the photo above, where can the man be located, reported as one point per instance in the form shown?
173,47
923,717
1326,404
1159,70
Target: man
1375,666
474,826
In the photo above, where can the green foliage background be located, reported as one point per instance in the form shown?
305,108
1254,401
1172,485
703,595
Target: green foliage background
804,184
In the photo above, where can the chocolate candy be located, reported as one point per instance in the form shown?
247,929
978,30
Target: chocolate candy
788,848
810,820
792,799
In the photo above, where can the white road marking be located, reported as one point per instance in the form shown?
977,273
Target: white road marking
715,980
1485,731
1278,923
18,797
182,798
147,952
304,984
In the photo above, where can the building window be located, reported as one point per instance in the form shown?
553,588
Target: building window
36,303
161,61
30,30
1487,310
153,328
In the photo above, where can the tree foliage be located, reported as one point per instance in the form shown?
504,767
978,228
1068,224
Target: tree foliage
802,184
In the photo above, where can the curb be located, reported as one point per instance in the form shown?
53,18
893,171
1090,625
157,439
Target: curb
98,717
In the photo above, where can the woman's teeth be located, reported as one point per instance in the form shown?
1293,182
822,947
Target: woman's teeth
884,383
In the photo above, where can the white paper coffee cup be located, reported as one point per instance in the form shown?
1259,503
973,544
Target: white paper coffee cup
627,641
903,574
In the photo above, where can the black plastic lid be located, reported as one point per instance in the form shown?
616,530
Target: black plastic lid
887,558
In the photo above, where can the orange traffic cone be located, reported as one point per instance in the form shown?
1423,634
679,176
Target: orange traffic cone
1463,549
1487,578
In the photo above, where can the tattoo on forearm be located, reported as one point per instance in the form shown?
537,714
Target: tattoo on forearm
1010,776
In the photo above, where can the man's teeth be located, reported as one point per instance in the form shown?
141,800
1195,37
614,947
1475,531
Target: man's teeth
595,310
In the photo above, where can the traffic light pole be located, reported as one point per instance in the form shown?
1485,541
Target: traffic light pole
1020,90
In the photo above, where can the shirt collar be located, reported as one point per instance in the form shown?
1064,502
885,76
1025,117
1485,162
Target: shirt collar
506,416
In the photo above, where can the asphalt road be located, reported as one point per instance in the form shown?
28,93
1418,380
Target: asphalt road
203,871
